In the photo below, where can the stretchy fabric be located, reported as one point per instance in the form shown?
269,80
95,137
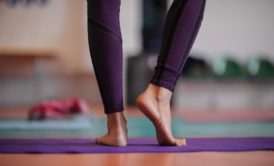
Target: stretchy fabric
182,24
105,42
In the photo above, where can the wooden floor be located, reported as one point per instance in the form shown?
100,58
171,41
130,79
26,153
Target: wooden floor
259,158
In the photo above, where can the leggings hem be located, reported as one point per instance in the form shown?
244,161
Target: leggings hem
115,110
162,84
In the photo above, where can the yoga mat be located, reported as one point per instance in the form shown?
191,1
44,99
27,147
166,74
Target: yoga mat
181,128
229,116
71,123
137,145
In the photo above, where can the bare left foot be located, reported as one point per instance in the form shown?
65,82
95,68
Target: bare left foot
154,102
117,131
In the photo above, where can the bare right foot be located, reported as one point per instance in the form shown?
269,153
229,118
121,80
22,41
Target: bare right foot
154,102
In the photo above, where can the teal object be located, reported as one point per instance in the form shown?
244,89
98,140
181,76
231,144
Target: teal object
70,123
142,127
228,68
260,68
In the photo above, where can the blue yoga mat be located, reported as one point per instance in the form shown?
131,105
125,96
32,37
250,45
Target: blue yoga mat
79,122
137,145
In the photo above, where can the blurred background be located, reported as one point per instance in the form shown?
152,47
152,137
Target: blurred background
226,87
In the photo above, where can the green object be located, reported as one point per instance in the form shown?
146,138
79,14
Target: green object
260,68
196,68
228,68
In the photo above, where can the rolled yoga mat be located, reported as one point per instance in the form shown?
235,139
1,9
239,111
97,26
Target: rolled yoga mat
135,145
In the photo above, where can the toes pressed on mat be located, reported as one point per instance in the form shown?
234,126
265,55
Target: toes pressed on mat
175,142
181,142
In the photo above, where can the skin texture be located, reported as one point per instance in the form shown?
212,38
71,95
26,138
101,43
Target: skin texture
117,130
154,103
182,24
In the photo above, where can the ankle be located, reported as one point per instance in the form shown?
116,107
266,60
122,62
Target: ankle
164,94
161,93
115,118
116,123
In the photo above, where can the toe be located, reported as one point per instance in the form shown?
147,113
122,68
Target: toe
177,142
180,142
184,141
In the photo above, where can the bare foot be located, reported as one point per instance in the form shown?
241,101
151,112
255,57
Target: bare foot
154,102
117,131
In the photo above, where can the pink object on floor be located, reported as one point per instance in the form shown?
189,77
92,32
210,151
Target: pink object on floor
58,109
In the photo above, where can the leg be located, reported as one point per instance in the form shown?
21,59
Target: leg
182,24
105,44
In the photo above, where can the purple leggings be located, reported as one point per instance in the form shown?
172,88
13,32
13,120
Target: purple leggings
105,42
